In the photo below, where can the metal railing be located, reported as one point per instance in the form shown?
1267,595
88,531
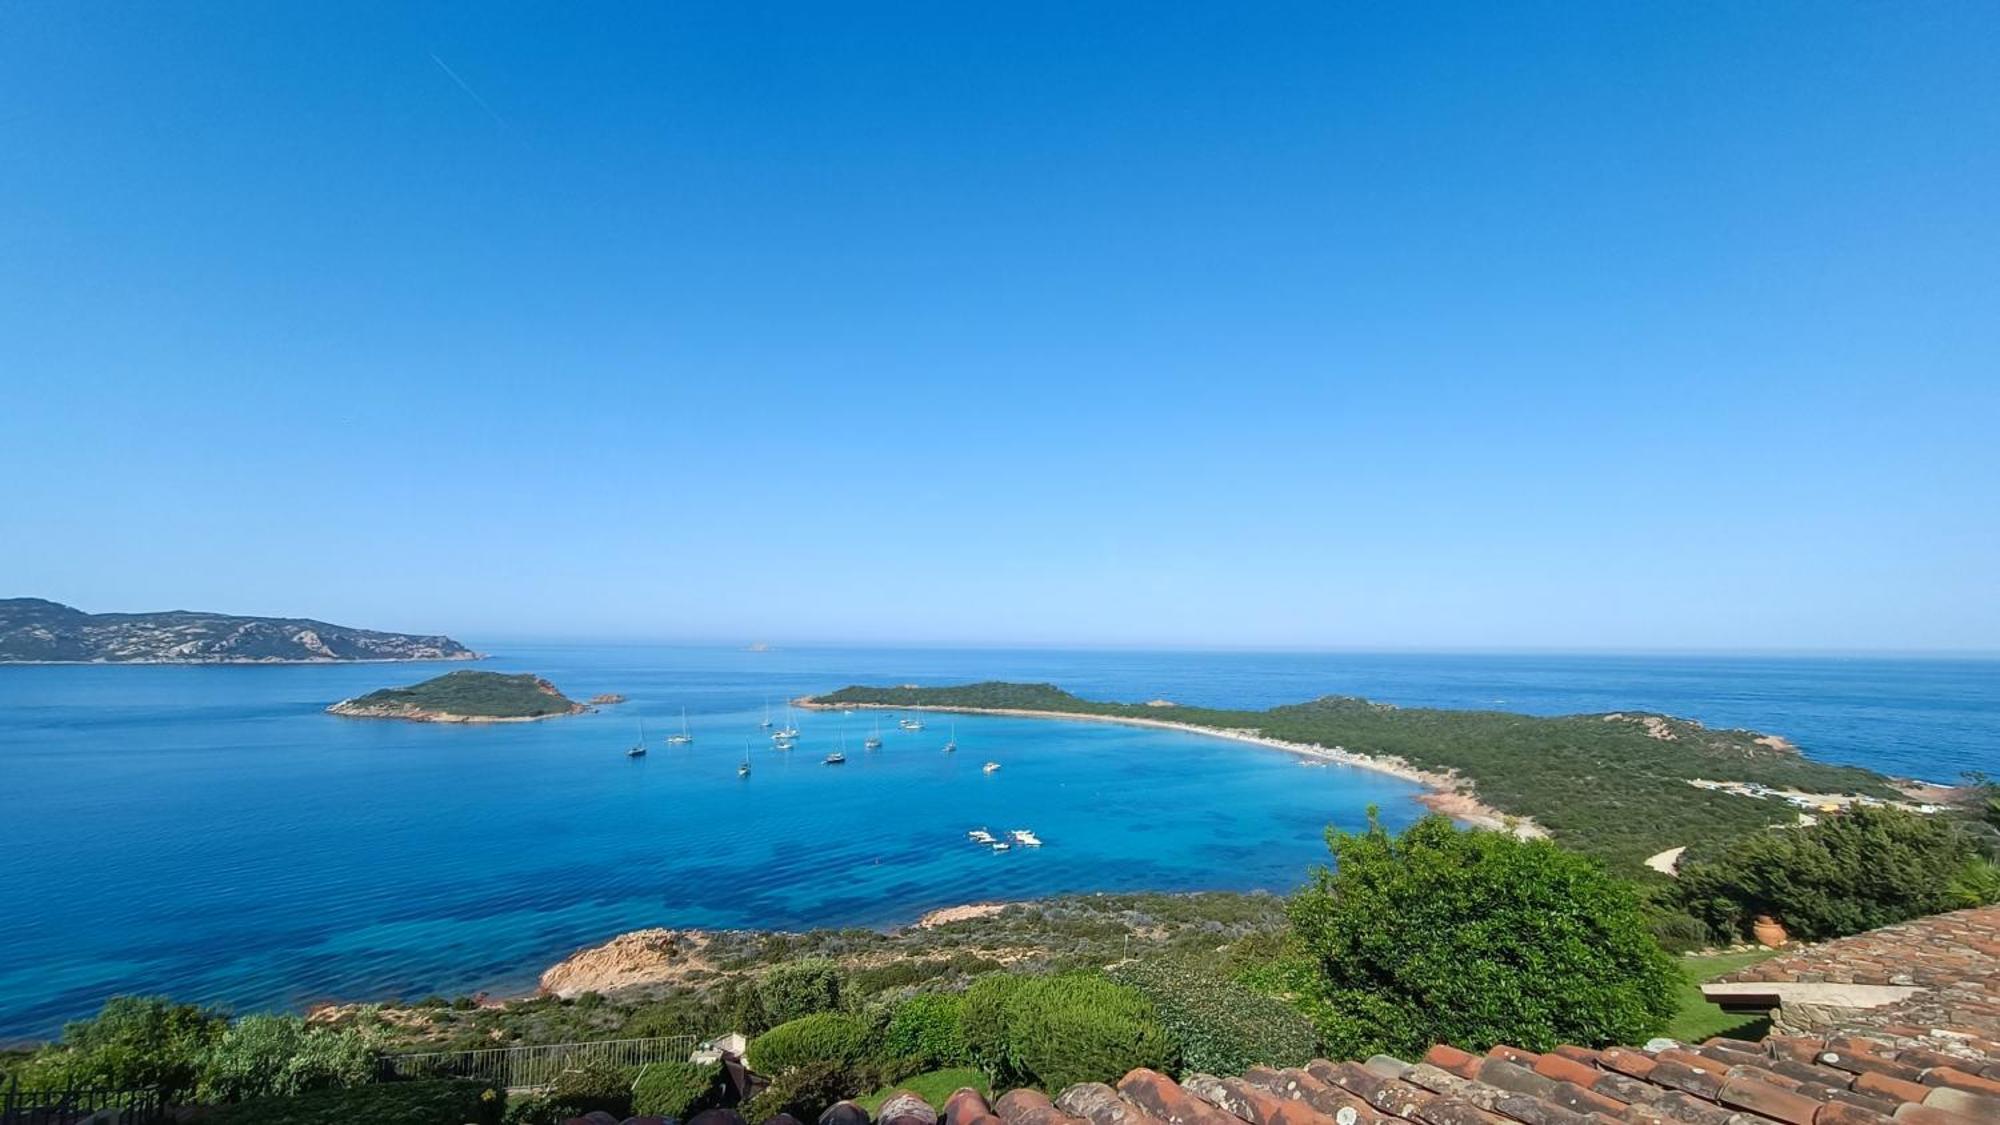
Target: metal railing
20,1106
517,1068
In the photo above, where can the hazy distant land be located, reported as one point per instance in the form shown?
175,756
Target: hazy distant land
39,631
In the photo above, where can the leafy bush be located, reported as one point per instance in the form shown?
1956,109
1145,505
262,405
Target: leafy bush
1679,932
575,1092
280,1056
447,1102
827,1037
1055,1031
802,988
1861,869
1218,1026
132,1041
1473,938
928,1028
803,1091
678,1089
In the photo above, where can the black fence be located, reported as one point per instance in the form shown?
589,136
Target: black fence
26,1106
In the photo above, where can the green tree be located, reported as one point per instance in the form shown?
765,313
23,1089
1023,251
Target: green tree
1472,938
133,1041
1218,1026
279,1056
801,988
1854,871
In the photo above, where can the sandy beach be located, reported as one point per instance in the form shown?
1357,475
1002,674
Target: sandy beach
1444,792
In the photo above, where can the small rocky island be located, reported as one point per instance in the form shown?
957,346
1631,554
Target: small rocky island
465,696
39,631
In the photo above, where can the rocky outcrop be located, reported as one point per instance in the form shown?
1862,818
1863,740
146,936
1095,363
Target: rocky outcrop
631,960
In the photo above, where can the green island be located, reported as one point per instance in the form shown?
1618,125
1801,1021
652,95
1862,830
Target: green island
464,696
1615,786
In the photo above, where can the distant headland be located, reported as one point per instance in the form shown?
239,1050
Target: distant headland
465,696
39,631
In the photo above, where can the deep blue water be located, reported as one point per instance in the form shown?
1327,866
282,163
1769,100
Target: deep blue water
209,833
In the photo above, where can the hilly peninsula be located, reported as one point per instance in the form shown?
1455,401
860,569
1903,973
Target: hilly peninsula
1623,786
38,631
465,696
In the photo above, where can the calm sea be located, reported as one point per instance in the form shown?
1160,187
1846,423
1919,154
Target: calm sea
208,833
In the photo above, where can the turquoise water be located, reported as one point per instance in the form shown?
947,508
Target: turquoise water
207,832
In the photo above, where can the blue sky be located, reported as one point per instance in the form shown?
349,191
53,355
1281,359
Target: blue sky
1643,326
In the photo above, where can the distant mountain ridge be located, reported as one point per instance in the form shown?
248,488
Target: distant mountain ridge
39,631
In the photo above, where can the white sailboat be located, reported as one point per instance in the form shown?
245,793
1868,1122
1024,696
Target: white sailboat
952,744
873,741
790,730
683,738
766,724
639,750
744,769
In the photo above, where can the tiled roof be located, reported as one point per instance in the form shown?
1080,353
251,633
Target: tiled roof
1939,976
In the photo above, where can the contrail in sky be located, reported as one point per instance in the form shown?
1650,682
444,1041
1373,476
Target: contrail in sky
469,91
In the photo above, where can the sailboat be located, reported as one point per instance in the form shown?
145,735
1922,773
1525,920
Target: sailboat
639,750
953,743
790,729
873,741
744,769
840,755
683,738
766,724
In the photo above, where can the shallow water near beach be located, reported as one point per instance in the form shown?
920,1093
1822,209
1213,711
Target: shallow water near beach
209,833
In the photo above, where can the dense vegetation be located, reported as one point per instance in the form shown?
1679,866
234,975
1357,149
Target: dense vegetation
1613,787
445,1102
1866,868
1055,1031
470,693
1471,938
1217,1025
678,1089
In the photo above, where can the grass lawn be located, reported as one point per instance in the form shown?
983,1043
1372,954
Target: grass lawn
1698,1019
934,1087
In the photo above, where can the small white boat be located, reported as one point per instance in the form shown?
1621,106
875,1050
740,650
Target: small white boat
981,836
1000,846
781,744
766,724
790,729
744,769
835,758
1026,838
683,738
951,744
910,724
873,741
639,749
990,767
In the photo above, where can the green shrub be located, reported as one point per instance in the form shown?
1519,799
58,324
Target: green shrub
804,1092
678,1089
1055,1031
1217,1026
281,1056
1678,931
446,1102
928,1029
827,1037
1855,871
575,1092
132,1041
799,989
1473,938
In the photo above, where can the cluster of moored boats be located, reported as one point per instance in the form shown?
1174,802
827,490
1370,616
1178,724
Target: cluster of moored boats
1021,836
787,736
